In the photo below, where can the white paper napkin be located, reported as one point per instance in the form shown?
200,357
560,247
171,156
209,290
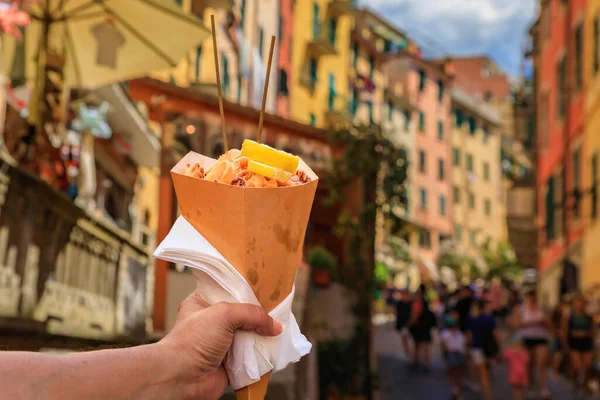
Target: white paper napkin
251,356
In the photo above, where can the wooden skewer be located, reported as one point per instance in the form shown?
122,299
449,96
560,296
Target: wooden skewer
223,131
266,89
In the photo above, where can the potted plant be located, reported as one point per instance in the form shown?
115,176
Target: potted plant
322,264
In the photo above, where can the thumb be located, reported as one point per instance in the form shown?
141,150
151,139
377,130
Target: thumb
247,317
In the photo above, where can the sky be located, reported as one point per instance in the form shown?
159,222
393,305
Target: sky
496,28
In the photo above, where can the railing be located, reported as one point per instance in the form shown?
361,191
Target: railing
64,272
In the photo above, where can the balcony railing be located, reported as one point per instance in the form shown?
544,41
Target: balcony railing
338,110
65,273
341,7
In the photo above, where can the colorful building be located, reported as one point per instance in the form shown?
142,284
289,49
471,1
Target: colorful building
284,60
591,159
321,61
560,146
426,85
477,192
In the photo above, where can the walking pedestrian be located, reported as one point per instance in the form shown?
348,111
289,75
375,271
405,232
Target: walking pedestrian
579,335
484,339
454,347
558,346
533,328
517,359
421,322
403,311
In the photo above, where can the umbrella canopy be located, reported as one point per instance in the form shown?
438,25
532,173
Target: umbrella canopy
107,41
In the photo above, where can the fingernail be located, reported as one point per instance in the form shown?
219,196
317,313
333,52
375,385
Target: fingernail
277,328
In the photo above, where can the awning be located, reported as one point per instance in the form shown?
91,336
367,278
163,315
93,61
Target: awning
125,119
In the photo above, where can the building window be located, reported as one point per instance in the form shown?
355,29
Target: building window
486,171
441,130
472,125
242,13
198,59
390,109
313,71
440,91
283,82
550,228
261,40
594,185
422,80
355,53
471,200
332,93
354,102
371,67
280,28
577,183
458,118
596,46
456,156
470,162
407,121
487,207
315,21
561,76
486,133
239,89
440,169
424,239
313,119
423,199
456,194
370,110
579,56
473,238
421,121
332,30
422,161
225,76
458,233
442,205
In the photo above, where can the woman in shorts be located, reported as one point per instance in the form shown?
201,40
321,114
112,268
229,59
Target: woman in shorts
533,328
579,333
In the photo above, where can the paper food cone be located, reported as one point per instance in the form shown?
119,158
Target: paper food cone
260,231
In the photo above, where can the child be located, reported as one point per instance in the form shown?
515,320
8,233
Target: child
454,345
517,359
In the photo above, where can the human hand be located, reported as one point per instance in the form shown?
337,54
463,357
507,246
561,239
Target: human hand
203,334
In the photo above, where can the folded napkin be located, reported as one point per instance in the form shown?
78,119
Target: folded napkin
251,356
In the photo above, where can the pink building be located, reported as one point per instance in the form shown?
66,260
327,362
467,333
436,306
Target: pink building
284,61
427,85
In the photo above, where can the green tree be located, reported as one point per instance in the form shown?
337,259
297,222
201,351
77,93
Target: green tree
370,162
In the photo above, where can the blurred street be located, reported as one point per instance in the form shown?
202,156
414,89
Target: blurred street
398,382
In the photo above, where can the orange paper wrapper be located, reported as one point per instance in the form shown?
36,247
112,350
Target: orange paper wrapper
260,231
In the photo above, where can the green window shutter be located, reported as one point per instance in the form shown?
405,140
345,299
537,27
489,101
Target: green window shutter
421,121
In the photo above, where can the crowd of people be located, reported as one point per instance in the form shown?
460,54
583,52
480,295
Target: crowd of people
479,327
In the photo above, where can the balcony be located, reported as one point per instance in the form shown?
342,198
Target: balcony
199,6
308,81
66,277
338,111
339,8
399,100
321,45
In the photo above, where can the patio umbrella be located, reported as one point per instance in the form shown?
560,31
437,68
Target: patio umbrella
106,41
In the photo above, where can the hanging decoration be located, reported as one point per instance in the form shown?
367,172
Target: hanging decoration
12,19
90,123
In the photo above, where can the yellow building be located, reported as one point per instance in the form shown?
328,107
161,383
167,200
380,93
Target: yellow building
478,190
591,250
243,31
321,60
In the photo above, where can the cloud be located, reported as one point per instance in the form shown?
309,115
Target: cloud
463,27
